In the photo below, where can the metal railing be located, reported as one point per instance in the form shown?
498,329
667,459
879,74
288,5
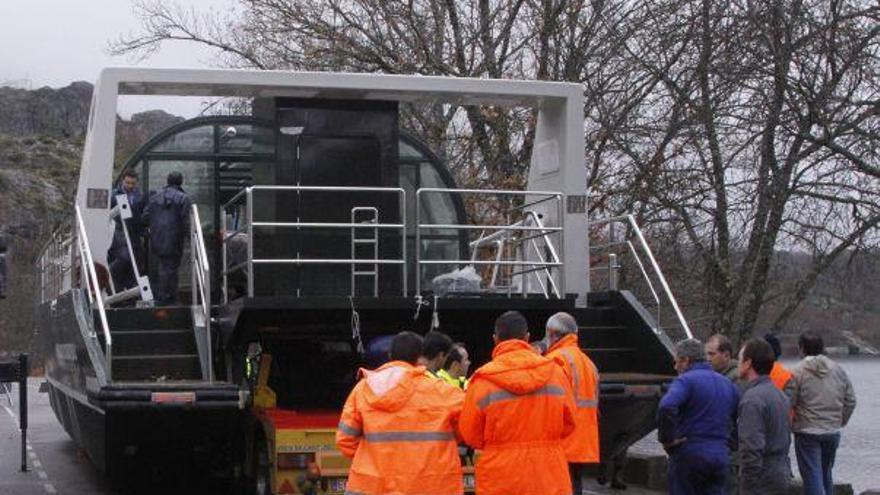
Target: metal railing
54,263
524,230
613,267
245,198
508,239
93,289
201,283
142,289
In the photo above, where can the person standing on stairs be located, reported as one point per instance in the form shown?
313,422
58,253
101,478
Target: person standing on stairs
118,255
167,216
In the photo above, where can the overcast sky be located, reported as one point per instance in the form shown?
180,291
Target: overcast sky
55,42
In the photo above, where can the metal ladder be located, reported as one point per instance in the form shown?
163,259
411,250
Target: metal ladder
364,223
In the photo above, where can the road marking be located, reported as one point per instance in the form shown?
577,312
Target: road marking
32,454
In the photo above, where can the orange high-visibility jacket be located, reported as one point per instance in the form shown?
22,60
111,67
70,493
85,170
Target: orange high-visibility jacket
779,375
399,426
583,444
517,410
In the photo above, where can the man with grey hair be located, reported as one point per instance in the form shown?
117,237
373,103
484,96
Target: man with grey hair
694,423
582,446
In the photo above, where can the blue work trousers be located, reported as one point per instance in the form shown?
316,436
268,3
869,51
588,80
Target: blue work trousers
165,289
697,473
815,458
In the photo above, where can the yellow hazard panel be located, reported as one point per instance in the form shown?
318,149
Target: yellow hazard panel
316,440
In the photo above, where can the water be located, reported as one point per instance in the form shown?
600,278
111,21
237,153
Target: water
858,461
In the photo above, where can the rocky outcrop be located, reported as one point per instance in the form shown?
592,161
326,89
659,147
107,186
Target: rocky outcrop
61,112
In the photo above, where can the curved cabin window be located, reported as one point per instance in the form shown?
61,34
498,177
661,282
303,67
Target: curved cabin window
219,156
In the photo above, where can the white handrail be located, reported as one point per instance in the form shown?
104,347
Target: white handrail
632,249
629,219
92,284
201,282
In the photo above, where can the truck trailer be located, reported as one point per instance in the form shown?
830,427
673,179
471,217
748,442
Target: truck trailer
318,227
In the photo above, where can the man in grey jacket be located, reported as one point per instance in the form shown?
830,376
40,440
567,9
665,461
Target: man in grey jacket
763,425
823,401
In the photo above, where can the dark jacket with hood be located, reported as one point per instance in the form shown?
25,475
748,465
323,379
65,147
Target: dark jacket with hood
167,216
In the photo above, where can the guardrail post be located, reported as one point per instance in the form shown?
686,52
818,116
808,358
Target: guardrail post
613,274
23,407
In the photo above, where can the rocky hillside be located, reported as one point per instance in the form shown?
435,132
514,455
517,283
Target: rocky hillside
38,177
62,112
41,141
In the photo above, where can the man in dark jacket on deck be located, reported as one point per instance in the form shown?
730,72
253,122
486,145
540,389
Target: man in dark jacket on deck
167,216
763,425
694,423
118,255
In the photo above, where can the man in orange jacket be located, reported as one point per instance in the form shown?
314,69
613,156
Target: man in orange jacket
582,447
779,375
398,425
518,409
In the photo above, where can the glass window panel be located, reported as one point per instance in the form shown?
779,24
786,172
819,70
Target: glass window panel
409,152
246,138
435,207
196,140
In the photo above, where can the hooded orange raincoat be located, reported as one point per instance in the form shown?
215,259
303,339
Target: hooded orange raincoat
398,425
517,410
583,445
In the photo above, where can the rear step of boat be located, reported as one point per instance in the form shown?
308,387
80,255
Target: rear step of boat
156,363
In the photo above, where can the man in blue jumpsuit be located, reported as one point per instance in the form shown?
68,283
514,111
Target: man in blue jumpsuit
695,423
118,255
167,216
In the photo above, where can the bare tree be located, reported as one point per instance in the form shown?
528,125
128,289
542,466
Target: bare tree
734,129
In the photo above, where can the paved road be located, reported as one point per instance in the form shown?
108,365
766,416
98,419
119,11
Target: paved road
55,465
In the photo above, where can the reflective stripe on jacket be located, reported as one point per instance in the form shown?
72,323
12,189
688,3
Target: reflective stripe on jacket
518,409
583,445
399,425
779,375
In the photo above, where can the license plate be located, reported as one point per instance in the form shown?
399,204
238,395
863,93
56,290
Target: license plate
337,484
469,482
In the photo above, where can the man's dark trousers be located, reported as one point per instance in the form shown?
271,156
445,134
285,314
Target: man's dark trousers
692,472
577,470
166,286
815,458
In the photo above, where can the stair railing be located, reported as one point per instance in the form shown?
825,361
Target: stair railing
122,212
521,241
93,289
630,221
201,283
